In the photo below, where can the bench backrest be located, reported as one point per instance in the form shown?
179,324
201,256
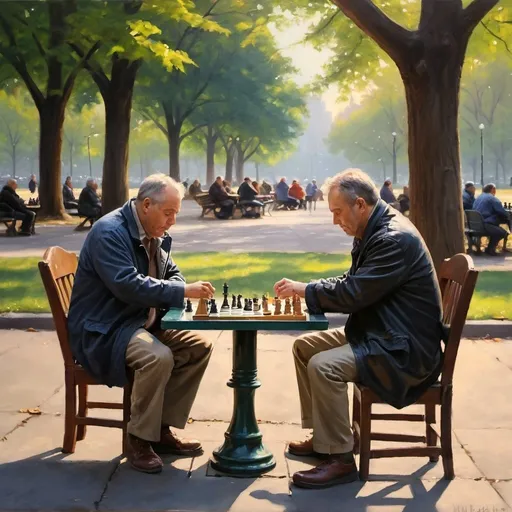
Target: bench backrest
457,279
58,269
475,221
203,199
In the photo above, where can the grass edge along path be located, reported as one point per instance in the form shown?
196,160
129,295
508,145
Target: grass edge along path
21,289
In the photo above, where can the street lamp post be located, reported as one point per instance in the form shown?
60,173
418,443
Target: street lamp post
482,154
383,167
394,157
88,137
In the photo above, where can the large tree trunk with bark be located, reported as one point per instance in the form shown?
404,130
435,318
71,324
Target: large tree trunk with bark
174,141
51,122
211,140
118,107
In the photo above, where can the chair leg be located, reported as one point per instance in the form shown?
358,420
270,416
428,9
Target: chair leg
81,430
356,418
68,445
365,440
127,403
430,418
446,434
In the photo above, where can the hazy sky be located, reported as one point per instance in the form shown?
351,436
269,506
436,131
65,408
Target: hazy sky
308,61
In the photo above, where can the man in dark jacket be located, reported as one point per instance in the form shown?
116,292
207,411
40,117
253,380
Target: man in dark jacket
386,193
468,195
125,280
248,197
68,194
391,342
9,197
89,204
221,198
32,184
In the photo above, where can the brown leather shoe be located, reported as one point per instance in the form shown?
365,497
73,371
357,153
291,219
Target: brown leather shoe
141,456
328,473
302,448
170,443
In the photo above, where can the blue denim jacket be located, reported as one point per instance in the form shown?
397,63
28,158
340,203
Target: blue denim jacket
491,209
112,294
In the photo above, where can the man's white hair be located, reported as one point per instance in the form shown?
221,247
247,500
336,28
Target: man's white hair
154,186
353,183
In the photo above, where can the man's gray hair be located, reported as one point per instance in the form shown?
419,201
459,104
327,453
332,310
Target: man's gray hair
353,183
154,186
90,181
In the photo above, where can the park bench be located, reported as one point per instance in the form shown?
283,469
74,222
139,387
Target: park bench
74,213
474,230
7,218
205,202
457,279
58,269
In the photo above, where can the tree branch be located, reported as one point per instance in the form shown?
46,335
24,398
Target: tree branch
475,12
96,71
68,85
496,36
193,130
390,36
158,124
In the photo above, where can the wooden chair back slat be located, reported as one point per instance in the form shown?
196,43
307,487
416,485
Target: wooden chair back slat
57,270
457,279
475,221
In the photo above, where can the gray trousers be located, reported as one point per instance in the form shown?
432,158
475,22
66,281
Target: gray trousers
168,367
324,363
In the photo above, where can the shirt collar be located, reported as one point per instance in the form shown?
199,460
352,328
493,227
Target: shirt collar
142,233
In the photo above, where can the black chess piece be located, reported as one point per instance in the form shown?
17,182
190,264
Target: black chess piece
188,309
225,289
239,302
233,302
256,305
247,306
213,307
225,303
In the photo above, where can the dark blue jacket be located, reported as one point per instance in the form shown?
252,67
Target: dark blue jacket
467,200
282,191
112,294
491,209
393,299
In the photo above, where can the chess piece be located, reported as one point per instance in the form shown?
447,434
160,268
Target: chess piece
247,306
213,307
264,301
233,302
225,303
297,306
256,305
188,309
287,306
239,302
202,308
277,310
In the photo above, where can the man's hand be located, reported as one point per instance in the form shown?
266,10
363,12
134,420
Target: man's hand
287,288
199,290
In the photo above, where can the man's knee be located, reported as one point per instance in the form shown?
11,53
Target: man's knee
205,345
159,358
299,344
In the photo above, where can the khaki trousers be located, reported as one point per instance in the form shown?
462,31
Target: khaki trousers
324,363
168,367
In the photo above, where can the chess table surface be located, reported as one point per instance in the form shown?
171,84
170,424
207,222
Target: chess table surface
177,318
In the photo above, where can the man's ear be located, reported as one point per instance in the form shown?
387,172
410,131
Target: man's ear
146,203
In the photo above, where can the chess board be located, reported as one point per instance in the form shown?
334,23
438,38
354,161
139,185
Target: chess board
241,314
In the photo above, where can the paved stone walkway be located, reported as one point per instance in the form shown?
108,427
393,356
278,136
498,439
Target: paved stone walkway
35,475
295,231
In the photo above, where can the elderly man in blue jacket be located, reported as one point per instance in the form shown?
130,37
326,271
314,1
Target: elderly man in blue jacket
493,215
392,338
126,279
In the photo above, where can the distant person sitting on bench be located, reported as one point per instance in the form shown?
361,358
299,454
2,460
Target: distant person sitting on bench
493,214
282,196
68,194
194,189
221,198
297,192
89,204
21,212
248,197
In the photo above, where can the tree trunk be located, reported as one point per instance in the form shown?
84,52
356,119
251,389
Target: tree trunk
14,160
51,121
118,107
432,93
211,140
239,165
229,163
174,152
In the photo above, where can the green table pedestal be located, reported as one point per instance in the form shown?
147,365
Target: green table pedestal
243,453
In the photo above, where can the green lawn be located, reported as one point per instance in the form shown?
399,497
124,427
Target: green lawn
21,288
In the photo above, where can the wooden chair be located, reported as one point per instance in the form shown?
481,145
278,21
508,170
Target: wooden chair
474,230
58,270
457,280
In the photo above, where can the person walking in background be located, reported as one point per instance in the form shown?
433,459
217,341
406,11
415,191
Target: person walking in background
311,193
68,195
89,204
32,184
